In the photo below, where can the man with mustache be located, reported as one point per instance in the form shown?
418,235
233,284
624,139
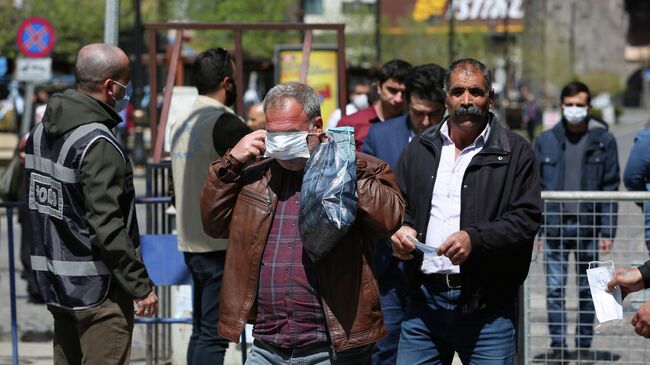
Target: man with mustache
473,199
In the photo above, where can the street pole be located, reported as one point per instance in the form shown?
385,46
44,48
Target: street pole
452,32
139,153
378,31
111,22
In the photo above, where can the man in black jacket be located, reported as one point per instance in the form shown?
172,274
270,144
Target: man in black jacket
473,200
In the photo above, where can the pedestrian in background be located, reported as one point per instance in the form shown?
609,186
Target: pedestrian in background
202,136
636,176
578,154
390,104
425,100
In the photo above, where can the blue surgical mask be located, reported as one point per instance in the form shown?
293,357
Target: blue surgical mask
124,102
286,145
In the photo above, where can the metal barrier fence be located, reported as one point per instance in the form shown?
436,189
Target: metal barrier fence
556,293
10,206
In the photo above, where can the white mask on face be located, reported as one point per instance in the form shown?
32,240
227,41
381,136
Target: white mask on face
286,145
574,114
360,101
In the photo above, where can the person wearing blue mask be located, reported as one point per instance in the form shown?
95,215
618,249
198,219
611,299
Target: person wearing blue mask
578,154
81,201
319,312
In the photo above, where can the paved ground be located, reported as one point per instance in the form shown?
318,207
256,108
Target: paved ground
35,318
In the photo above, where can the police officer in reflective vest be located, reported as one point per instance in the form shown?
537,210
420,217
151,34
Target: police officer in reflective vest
82,209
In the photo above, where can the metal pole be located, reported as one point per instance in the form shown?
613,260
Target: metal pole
111,22
12,285
138,45
572,39
452,32
26,123
377,33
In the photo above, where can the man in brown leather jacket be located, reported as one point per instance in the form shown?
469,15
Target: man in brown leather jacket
321,312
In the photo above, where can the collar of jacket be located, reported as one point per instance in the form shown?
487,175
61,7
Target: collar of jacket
594,134
497,141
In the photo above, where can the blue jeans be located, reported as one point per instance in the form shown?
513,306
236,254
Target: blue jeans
556,254
435,327
392,306
206,345
265,354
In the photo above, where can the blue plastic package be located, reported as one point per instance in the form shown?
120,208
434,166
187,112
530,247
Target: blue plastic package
328,197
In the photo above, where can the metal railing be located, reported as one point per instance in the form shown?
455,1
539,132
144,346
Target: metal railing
10,206
570,231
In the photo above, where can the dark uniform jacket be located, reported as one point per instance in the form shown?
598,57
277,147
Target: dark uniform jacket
94,220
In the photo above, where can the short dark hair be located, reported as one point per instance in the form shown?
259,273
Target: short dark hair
210,68
574,88
469,63
394,69
426,82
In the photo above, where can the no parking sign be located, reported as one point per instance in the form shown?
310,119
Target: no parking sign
35,37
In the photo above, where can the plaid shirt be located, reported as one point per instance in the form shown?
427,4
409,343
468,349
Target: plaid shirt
289,313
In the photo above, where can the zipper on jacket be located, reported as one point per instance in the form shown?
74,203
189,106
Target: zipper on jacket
333,352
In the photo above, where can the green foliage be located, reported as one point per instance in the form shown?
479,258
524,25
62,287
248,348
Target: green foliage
238,11
81,22
602,81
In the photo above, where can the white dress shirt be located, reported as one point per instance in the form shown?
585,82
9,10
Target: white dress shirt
445,201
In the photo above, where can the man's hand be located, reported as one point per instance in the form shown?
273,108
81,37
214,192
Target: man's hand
250,147
629,279
402,246
540,245
641,320
605,245
147,306
456,247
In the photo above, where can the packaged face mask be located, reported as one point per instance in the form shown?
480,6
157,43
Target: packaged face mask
608,305
574,114
286,145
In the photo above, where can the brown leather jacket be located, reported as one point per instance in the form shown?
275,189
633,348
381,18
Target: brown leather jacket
240,205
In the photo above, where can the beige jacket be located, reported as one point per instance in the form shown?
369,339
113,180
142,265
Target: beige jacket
192,152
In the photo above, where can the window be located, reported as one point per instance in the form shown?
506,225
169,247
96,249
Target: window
313,6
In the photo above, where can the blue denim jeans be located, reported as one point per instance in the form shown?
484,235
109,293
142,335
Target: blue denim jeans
435,327
265,354
556,254
206,346
392,307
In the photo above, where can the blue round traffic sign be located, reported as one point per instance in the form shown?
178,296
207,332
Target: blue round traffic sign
35,37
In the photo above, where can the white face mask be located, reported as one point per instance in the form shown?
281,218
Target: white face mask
360,101
286,145
574,114
608,305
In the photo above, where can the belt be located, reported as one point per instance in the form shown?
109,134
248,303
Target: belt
449,281
293,352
